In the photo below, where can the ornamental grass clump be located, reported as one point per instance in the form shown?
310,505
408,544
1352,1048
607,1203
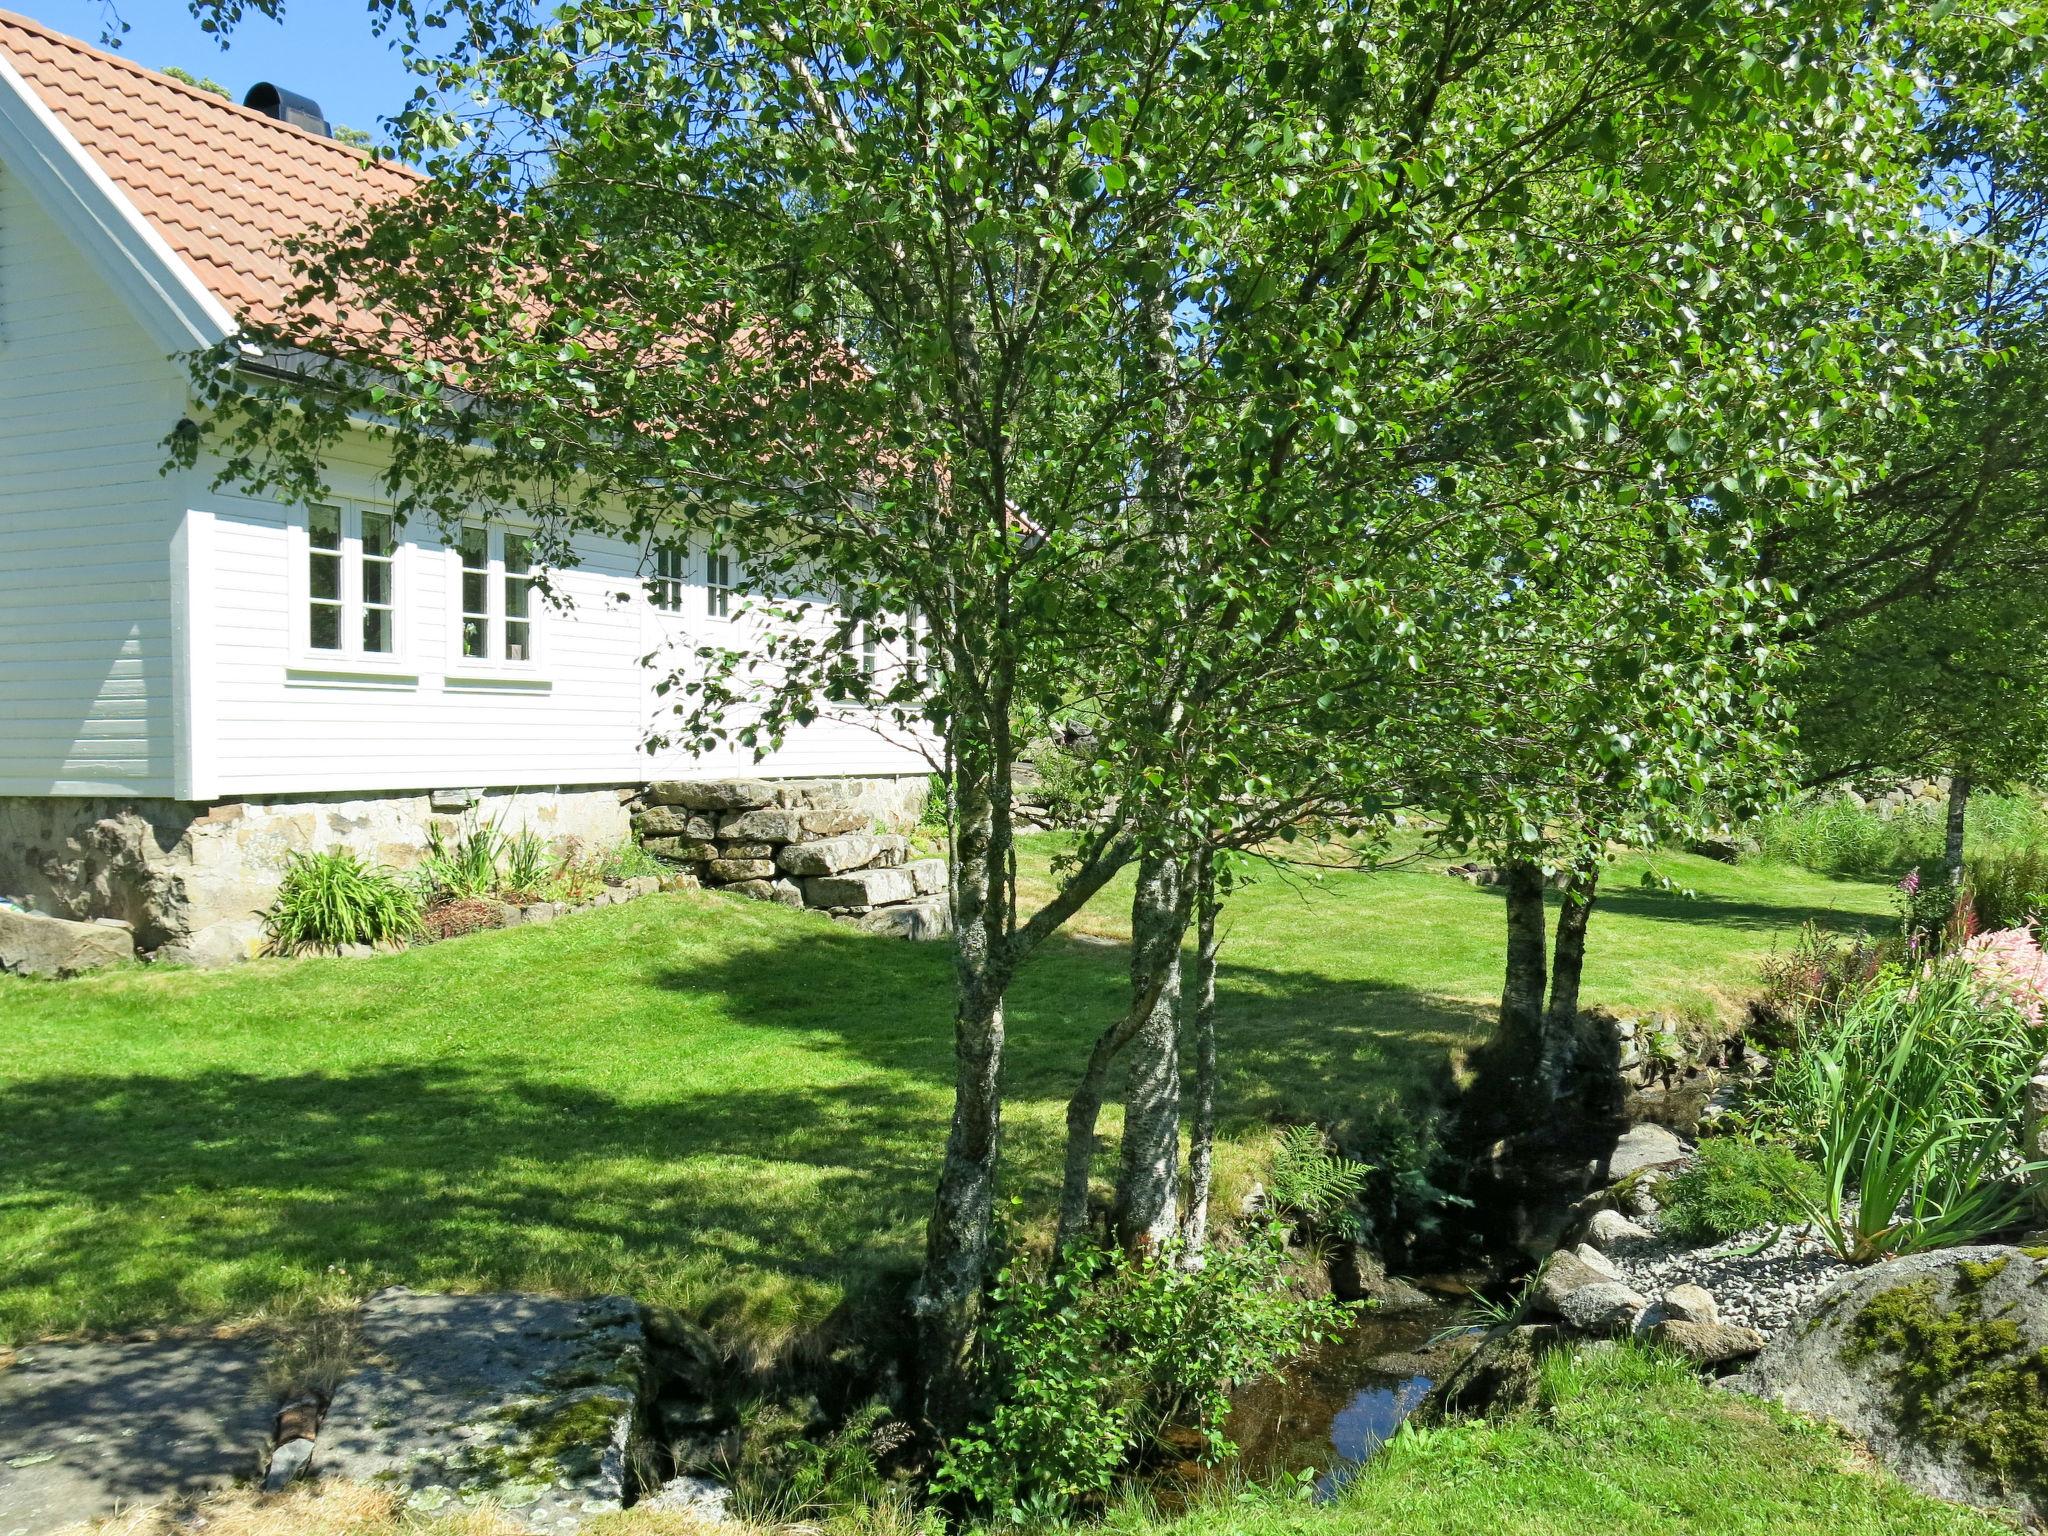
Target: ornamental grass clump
1914,1103
329,900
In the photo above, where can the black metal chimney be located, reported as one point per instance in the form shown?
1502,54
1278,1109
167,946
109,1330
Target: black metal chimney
288,107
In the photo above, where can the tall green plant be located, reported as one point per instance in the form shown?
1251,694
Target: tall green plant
328,900
467,866
1915,1108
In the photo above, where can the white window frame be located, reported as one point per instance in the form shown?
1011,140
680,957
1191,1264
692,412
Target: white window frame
350,657
668,588
721,581
494,664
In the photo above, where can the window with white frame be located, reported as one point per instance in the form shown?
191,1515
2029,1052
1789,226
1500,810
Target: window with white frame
497,617
352,600
671,563
718,582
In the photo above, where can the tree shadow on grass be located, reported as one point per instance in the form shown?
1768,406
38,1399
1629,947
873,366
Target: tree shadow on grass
1716,911
150,1196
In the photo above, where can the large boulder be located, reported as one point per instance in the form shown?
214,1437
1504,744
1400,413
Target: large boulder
1357,1274
32,944
536,1403
929,917
763,826
1503,1375
1939,1362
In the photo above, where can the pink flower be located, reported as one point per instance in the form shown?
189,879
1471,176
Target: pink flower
2010,968
1911,884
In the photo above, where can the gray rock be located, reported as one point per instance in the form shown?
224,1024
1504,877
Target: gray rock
860,888
531,1401
828,856
1605,1307
891,849
712,794
699,1497
1690,1304
1707,1344
1357,1274
1614,1234
929,917
673,821
833,823
287,1462
1503,1374
783,891
739,850
89,1428
1933,1360
1648,1145
763,826
930,875
730,870
1564,1273
684,850
1596,1261
32,944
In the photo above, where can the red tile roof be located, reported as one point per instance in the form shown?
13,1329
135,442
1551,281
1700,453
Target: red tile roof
221,183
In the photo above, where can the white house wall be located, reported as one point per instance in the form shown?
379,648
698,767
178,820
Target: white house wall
269,720
86,524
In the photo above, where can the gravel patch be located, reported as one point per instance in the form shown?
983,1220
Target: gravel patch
1762,1289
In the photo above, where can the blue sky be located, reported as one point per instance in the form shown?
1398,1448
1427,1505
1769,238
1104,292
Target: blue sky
324,50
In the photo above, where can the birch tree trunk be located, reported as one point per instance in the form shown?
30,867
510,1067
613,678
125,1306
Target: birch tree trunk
1516,1050
1568,965
1202,1128
1148,1182
1958,808
947,1299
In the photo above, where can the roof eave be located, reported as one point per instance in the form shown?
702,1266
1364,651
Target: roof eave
166,295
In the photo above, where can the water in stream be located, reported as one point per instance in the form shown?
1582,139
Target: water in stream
1329,1413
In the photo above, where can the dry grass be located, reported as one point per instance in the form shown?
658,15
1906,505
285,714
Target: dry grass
327,1508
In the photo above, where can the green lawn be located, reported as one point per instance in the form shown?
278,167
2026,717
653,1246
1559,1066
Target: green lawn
695,1099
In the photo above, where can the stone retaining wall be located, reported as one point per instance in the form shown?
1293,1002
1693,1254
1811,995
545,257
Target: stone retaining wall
804,843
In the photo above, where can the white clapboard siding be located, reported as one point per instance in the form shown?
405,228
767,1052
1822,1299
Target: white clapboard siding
273,721
86,524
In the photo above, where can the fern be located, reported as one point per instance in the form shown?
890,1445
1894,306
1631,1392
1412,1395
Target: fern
1310,1182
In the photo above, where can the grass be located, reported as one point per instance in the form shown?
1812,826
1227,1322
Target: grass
698,1100
1625,1444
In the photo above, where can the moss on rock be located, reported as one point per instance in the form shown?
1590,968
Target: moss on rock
1964,1383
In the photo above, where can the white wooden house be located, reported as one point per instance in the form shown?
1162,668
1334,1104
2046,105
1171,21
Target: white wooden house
193,681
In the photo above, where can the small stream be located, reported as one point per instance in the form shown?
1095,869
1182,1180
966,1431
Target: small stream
1327,1414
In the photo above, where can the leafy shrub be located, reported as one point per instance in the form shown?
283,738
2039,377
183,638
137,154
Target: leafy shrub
468,866
2009,890
785,1472
327,900
1735,1185
1913,1102
1404,1198
628,861
1813,983
1090,1360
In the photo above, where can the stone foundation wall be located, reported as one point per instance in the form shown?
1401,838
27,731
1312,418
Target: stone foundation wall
192,879
820,844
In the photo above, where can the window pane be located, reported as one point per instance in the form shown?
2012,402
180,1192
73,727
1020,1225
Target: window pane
516,641
377,582
475,599
473,637
323,527
517,589
326,577
377,629
476,549
326,628
377,535
518,556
